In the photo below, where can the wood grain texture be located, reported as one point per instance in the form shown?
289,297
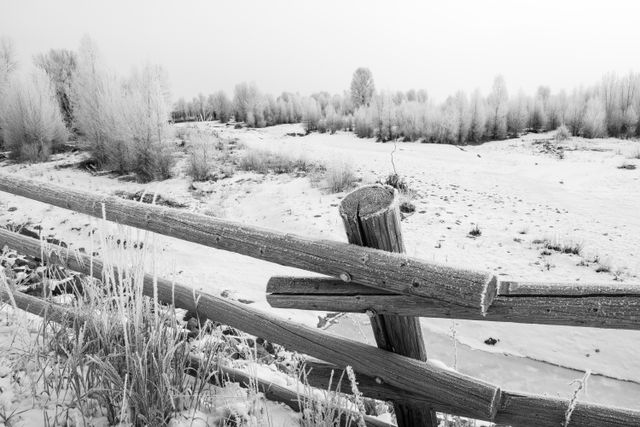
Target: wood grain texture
516,409
375,268
612,309
520,409
371,216
423,378
574,289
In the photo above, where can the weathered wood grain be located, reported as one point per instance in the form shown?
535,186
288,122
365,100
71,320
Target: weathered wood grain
571,289
520,409
516,409
609,310
371,217
371,267
319,285
423,378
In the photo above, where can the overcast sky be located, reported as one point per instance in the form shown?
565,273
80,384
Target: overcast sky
307,46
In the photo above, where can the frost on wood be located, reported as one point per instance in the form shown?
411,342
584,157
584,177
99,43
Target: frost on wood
371,267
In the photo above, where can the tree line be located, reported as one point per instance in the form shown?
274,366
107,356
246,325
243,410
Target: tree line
608,108
123,121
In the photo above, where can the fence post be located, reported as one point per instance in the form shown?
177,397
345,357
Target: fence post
371,217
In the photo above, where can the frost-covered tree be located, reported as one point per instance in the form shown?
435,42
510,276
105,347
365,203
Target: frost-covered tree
362,87
179,112
462,106
517,114
221,106
98,109
31,121
478,118
60,66
148,102
594,121
311,115
537,115
422,96
497,102
8,64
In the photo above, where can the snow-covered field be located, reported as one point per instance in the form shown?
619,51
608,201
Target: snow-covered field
512,190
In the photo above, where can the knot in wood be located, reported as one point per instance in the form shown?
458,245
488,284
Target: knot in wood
345,277
370,312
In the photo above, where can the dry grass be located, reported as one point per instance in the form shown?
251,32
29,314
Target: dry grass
340,176
122,359
266,161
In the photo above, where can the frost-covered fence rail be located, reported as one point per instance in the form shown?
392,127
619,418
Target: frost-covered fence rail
612,306
372,267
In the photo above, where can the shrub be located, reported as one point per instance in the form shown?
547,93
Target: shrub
396,181
475,231
201,158
340,176
562,133
125,123
31,120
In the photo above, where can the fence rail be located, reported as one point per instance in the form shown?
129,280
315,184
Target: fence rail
372,267
612,306
431,288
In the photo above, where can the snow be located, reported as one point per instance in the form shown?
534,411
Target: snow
512,191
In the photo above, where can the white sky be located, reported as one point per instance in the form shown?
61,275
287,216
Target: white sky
307,46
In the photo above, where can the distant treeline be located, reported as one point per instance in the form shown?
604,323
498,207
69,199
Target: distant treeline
609,108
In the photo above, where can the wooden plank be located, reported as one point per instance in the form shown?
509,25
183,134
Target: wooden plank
319,285
516,409
610,310
521,409
371,217
372,267
572,289
423,378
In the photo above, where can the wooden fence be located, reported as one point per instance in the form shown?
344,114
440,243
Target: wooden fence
391,287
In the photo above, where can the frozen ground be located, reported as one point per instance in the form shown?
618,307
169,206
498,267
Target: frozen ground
515,194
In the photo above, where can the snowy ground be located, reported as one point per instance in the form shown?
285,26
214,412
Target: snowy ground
512,191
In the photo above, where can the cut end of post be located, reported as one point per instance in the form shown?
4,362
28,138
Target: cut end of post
489,294
367,201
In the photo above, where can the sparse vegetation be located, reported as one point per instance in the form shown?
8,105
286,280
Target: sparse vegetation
266,161
475,231
396,181
572,248
628,166
562,134
340,176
